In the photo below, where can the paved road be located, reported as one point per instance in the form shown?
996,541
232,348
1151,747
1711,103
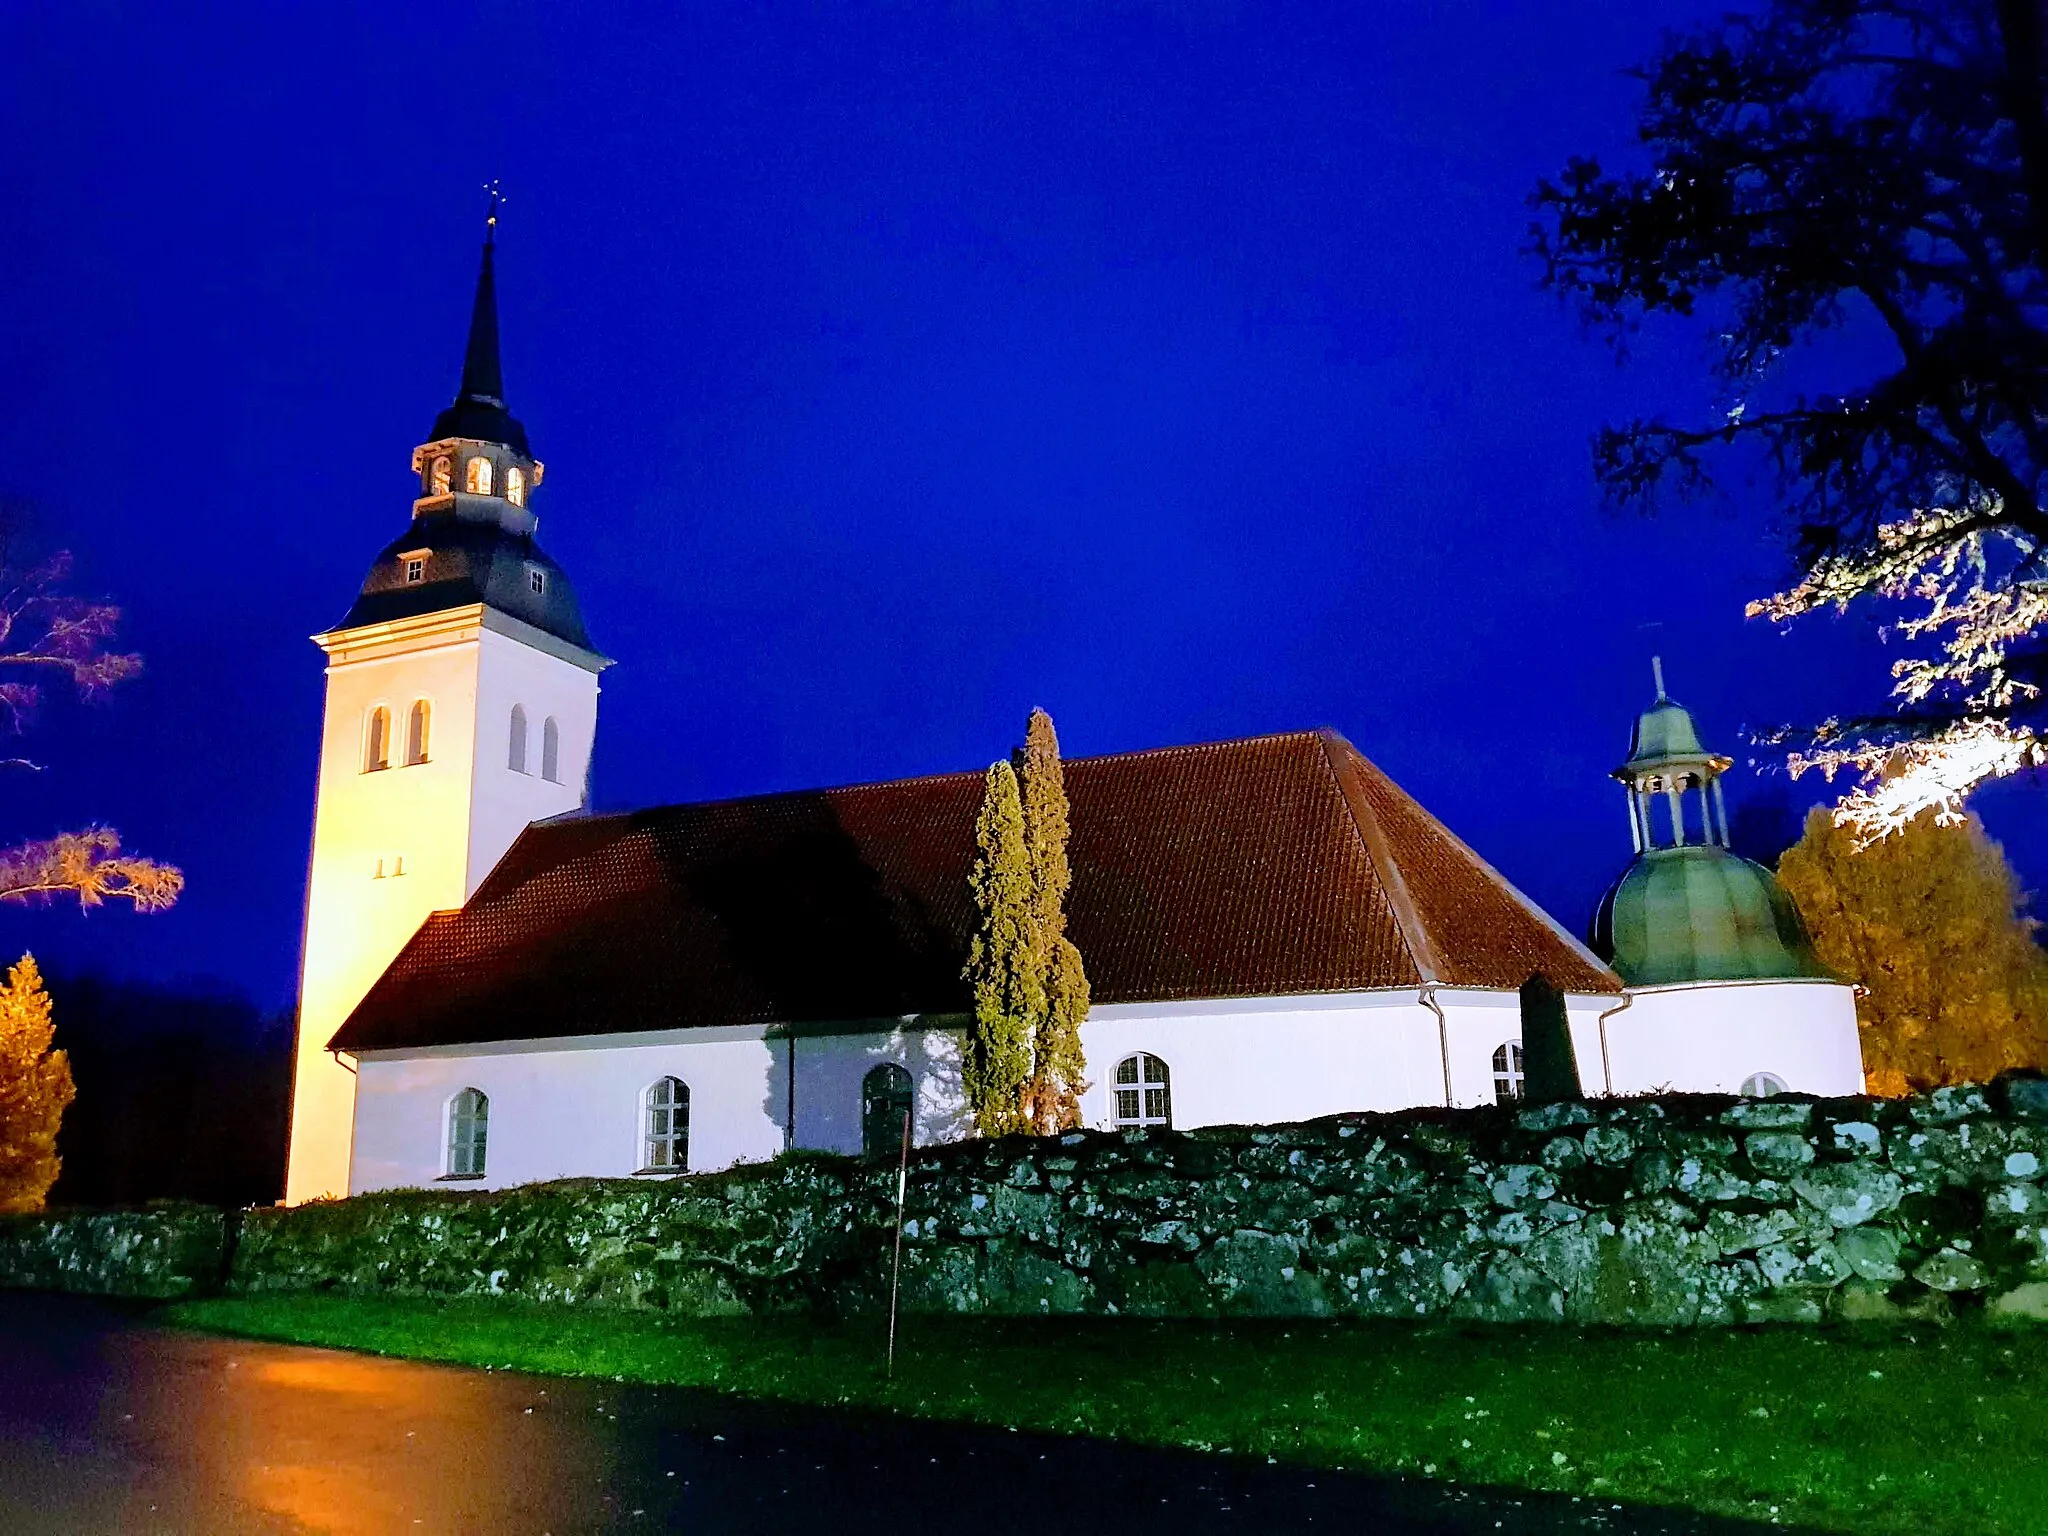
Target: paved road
108,1423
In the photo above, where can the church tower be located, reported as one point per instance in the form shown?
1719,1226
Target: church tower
461,705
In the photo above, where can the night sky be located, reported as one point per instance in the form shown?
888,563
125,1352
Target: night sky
896,367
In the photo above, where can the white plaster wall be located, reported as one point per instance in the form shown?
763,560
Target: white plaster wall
447,820
1256,1060
1478,1023
830,1069
567,1108
572,1107
1707,1038
519,666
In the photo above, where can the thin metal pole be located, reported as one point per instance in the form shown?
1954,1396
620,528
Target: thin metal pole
896,1269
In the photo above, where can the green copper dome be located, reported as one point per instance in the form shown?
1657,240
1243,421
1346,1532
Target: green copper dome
1700,913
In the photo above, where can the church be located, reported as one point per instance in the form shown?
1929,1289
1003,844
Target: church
500,987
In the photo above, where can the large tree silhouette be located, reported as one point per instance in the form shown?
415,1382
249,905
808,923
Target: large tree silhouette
1825,164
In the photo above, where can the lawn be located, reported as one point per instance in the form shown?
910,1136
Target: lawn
1923,1431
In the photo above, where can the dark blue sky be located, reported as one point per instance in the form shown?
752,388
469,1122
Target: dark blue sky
897,367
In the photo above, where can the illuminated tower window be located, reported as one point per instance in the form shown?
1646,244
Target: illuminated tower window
551,750
377,740
416,732
515,757
479,472
443,479
515,486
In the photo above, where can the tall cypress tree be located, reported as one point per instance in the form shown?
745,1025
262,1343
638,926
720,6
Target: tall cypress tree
1053,1094
1002,962
35,1090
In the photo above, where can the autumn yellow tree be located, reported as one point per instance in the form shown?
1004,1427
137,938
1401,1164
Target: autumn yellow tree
1052,1095
1002,968
35,1090
1928,922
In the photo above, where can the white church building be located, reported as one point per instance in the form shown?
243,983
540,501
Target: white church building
499,987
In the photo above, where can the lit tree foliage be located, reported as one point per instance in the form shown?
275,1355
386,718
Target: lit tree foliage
1822,164
35,1090
1927,922
47,634
1058,1068
1002,963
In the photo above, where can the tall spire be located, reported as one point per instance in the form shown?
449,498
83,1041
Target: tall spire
479,409
483,377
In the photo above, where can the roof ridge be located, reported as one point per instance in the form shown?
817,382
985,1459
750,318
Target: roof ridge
1514,892
858,786
1379,852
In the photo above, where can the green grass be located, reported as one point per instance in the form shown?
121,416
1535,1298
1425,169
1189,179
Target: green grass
1923,1431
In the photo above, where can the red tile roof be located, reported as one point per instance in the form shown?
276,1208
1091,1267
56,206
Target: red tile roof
1278,865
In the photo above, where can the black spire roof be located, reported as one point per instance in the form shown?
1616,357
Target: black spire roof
479,409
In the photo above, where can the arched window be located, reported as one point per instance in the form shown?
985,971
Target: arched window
377,740
469,1129
443,479
1507,1073
885,1096
516,758
551,750
515,485
1143,1094
479,472
1762,1085
666,1145
416,732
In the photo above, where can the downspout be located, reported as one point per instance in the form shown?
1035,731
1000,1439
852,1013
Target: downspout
1606,1064
1427,997
789,1114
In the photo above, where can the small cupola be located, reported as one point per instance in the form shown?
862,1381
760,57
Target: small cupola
1688,908
477,464
1674,783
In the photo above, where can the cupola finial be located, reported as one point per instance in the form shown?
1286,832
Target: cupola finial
1657,675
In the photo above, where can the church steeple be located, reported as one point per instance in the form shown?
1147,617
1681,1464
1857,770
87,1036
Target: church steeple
479,413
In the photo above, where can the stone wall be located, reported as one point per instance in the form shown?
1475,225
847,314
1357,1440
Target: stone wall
161,1251
1668,1212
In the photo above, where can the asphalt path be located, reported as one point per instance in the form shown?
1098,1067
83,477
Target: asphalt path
109,1422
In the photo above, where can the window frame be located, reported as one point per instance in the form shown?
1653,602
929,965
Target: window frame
673,1140
478,474
536,581
441,475
515,485
550,750
1510,1072
469,1106
518,740
1754,1086
412,567
1141,1086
